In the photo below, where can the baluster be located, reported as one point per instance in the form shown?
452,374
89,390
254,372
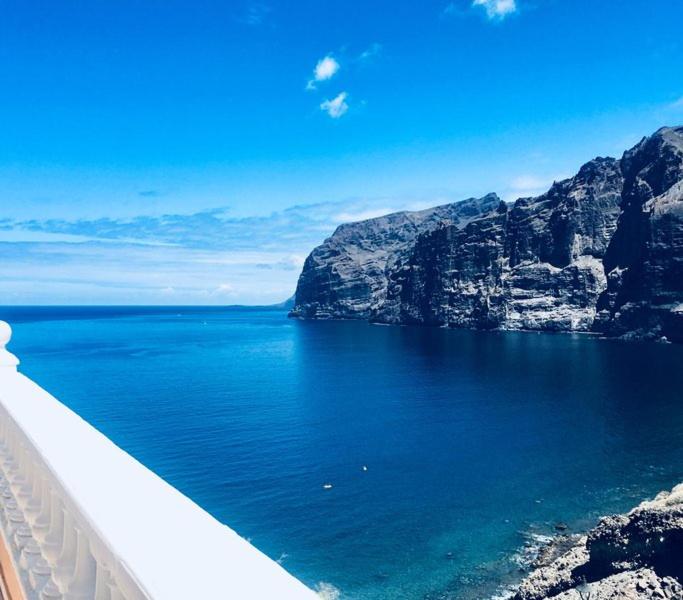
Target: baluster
63,570
41,522
20,480
30,554
22,535
50,591
33,504
7,437
8,504
82,586
15,519
11,464
4,448
51,545
116,593
103,583
39,574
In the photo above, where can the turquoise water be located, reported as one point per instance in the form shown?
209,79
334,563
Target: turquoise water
473,442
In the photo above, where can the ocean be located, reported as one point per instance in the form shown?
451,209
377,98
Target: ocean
449,453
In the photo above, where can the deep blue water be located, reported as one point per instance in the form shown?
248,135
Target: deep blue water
472,441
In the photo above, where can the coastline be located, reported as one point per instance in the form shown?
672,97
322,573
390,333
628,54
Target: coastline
634,555
587,334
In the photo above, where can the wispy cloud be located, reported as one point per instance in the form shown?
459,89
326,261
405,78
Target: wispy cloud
497,9
453,9
526,185
677,104
325,69
149,193
371,52
255,14
362,215
207,257
337,107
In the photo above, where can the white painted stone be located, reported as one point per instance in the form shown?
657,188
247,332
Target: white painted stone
7,359
106,527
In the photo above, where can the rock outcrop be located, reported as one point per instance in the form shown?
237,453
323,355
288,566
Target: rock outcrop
638,555
601,251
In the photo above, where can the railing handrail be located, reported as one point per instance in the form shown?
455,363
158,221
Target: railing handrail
125,532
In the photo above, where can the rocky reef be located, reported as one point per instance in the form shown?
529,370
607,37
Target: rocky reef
601,252
637,555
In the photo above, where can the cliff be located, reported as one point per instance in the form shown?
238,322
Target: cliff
347,276
637,555
644,261
601,251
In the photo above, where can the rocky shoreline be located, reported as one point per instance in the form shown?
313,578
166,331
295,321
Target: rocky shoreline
638,555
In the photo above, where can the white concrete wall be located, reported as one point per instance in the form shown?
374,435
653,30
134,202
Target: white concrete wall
85,520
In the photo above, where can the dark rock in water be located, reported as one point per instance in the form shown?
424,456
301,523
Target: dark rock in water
602,252
638,555
561,526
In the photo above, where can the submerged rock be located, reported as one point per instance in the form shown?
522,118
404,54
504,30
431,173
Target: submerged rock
601,251
637,555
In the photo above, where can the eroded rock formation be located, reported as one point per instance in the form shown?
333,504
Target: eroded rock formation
638,555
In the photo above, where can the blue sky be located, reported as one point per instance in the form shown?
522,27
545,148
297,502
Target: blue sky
195,151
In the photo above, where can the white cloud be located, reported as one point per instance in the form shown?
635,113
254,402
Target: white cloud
336,107
677,105
497,9
371,52
452,9
528,182
526,186
362,215
224,289
326,68
255,14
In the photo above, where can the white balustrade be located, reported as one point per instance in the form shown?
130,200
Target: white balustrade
82,520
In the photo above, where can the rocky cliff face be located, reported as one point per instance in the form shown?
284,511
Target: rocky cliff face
346,276
534,265
638,555
602,251
644,261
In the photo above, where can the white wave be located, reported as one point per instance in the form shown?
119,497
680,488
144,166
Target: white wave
327,591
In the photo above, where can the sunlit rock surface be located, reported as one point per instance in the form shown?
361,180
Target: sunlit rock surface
638,555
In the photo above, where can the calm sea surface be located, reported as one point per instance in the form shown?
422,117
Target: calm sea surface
474,443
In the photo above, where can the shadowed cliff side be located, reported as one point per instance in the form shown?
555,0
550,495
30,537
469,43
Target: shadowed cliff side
644,261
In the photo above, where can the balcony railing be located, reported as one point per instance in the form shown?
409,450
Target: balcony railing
82,520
